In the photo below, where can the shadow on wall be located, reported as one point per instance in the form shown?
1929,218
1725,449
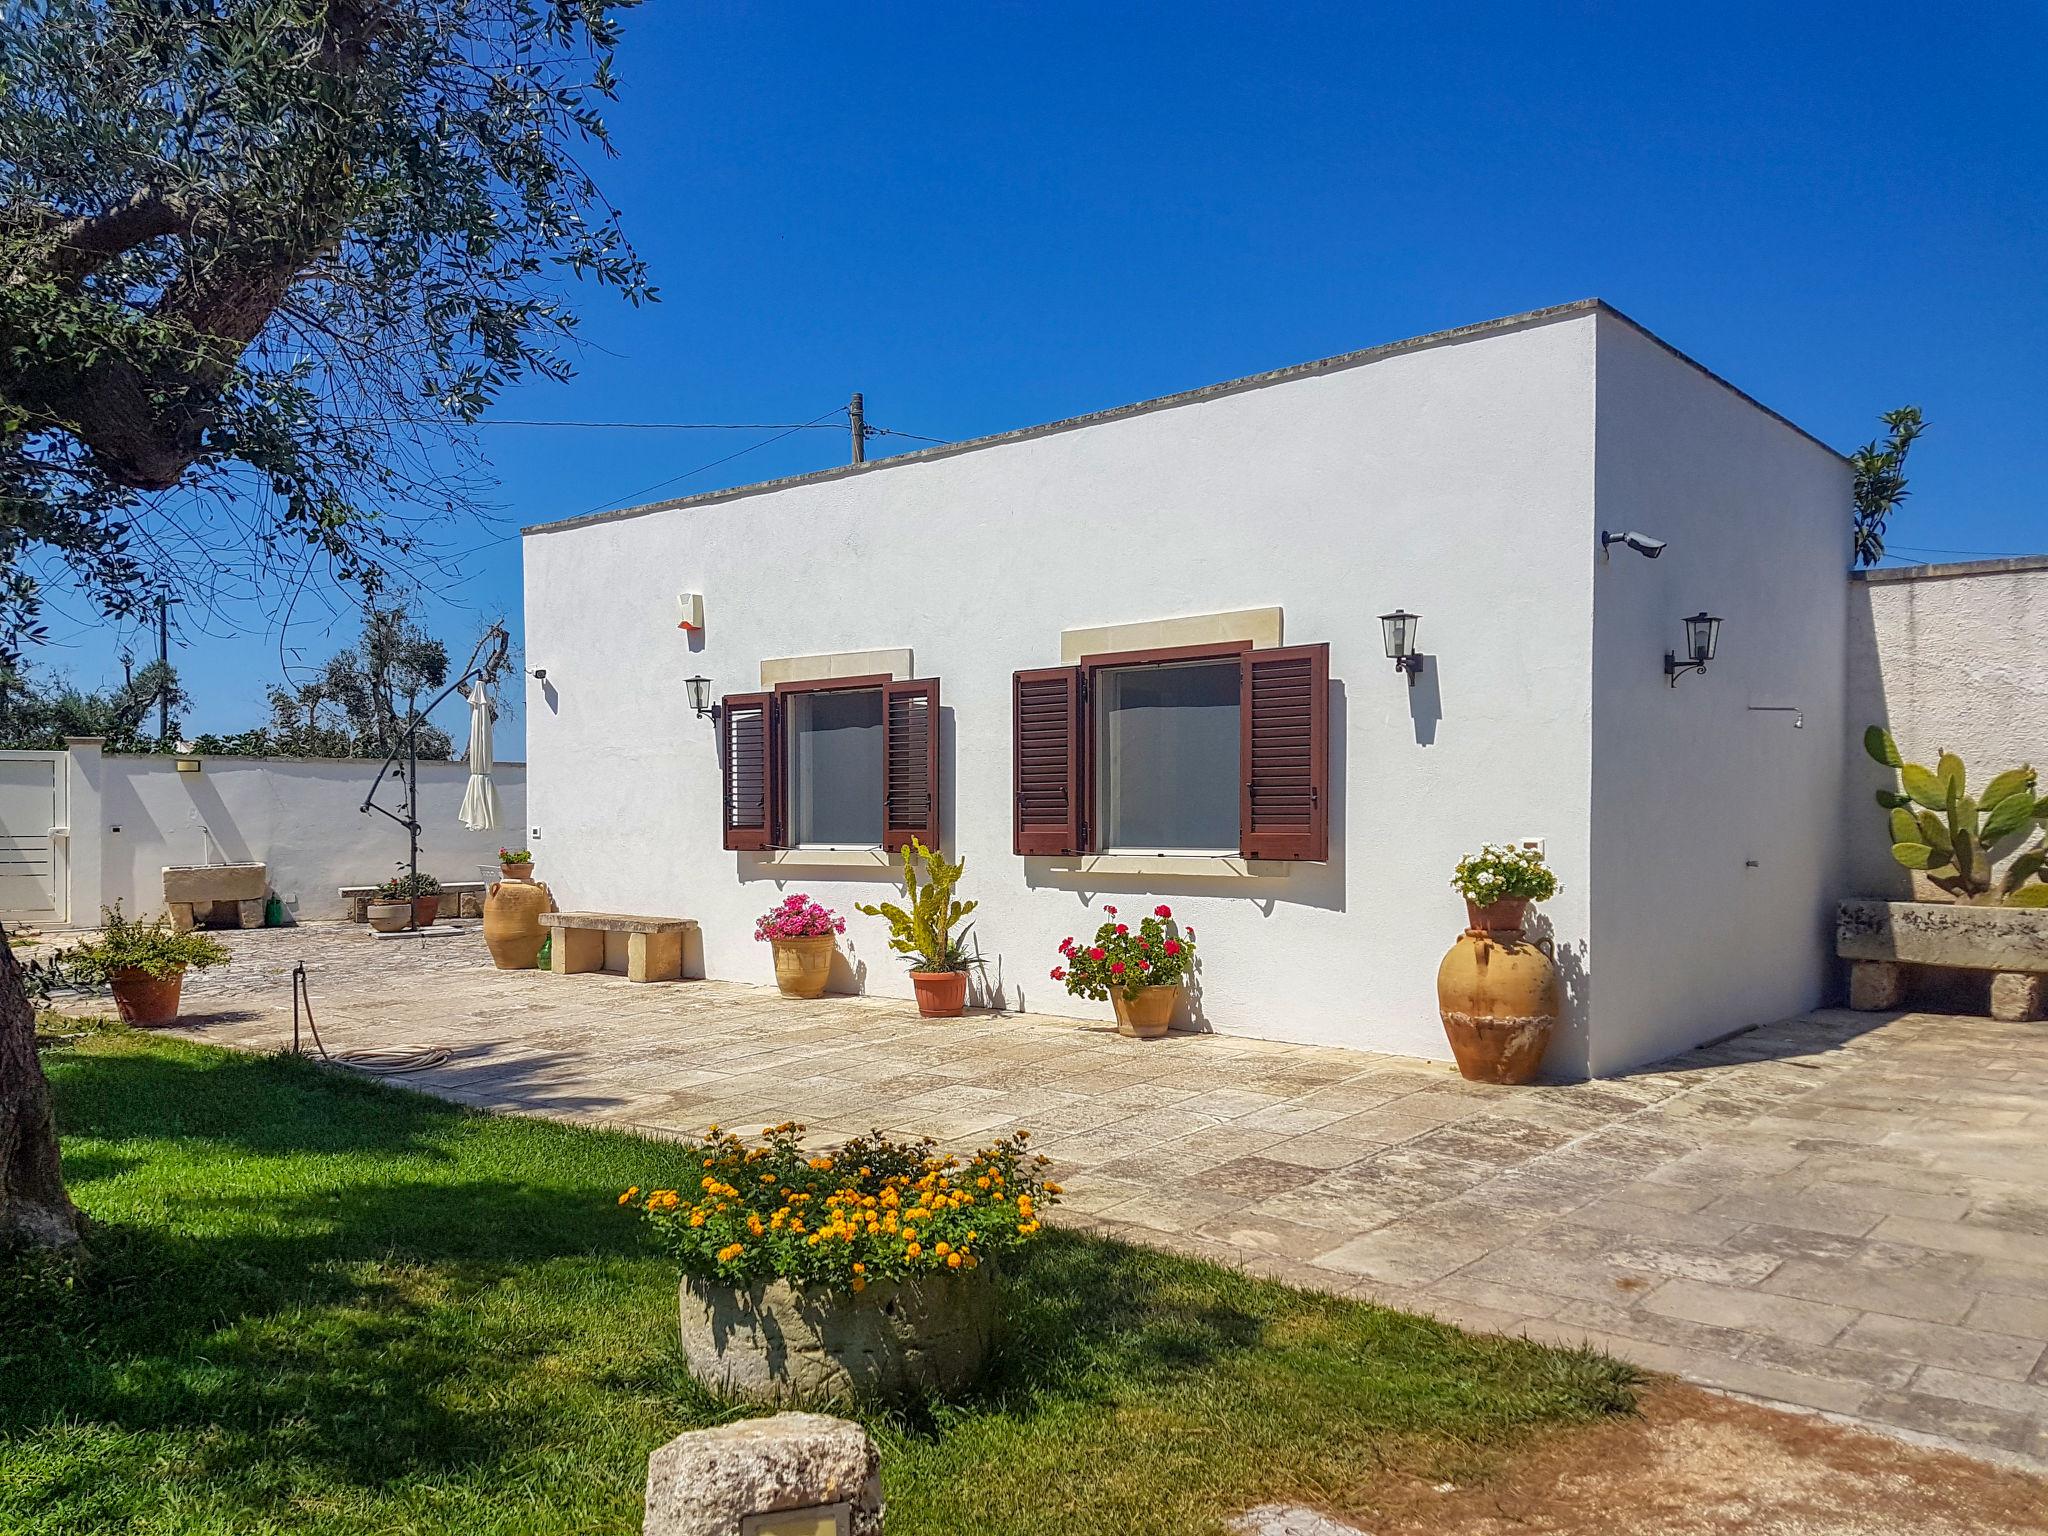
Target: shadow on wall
1868,867
1571,1049
1425,702
214,817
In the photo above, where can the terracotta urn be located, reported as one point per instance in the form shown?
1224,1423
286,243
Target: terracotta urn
1148,1015
143,999
940,994
512,930
389,916
803,966
1498,995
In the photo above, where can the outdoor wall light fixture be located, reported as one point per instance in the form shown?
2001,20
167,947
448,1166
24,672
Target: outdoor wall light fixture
1399,629
700,697
1702,634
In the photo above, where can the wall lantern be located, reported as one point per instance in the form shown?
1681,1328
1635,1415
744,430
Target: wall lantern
1702,635
1399,629
700,696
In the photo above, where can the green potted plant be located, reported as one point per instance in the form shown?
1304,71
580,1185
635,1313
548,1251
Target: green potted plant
515,863
1498,993
144,964
405,901
1141,973
923,931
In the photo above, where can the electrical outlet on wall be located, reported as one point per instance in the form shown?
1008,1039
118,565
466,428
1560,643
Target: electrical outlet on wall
533,833
1530,844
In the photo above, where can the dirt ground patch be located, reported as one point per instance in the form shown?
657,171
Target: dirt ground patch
1699,1464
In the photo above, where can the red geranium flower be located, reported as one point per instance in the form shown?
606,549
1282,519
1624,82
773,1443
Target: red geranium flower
1122,929
1162,911
1191,933
1143,947
1095,954
1110,910
1058,974
1116,967
1144,965
1173,946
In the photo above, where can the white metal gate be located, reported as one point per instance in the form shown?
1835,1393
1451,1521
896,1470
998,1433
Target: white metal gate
33,837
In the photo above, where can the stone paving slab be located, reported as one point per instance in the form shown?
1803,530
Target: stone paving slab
1843,1212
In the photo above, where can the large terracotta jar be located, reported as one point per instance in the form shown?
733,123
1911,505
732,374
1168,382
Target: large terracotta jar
1498,994
512,930
1148,1015
143,999
803,966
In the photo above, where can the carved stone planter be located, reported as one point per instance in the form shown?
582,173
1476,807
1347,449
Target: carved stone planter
1880,939
774,1343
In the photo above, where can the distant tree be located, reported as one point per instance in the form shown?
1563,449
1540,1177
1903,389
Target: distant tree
375,687
272,257
1880,467
38,713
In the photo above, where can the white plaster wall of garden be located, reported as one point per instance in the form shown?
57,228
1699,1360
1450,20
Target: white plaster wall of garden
299,816
1716,823
1453,479
1948,657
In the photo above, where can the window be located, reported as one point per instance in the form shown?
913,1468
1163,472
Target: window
845,763
1201,749
1166,757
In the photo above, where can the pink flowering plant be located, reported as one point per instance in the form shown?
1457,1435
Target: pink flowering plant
798,917
1127,959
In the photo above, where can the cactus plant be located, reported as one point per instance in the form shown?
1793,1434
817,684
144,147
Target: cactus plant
924,930
1953,837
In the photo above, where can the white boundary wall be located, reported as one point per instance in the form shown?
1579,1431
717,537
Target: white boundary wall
1455,477
130,816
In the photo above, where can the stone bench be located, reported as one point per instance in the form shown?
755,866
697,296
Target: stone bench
1881,939
584,940
467,896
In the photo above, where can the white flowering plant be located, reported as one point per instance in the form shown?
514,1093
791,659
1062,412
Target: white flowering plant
1499,873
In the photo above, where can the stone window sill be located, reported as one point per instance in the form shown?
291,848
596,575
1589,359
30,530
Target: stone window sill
1222,866
828,858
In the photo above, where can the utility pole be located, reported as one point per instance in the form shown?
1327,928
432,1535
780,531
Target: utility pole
857,418
163,658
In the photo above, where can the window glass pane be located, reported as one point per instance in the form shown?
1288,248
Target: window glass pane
1168,757
835,767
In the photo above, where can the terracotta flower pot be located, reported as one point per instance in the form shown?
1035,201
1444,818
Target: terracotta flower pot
424,910
940,994
389,916
1149,1014
144,999
517,871
512,930
803,966
1498,995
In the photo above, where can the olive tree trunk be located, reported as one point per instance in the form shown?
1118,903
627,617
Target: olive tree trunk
33,1204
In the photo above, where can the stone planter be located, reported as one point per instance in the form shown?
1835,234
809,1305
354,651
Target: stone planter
390,916
145,1000
774,1343
1148,1015
940,994
803,966
1882,940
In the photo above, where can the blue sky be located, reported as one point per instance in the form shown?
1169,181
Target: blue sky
988,216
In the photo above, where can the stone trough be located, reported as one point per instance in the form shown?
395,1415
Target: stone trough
1884,941
216,895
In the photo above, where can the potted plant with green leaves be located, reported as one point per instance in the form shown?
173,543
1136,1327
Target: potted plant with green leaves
144,964
1498,993
405,901
515,863
1140,973
923,931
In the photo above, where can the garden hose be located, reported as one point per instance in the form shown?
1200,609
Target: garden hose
379,1061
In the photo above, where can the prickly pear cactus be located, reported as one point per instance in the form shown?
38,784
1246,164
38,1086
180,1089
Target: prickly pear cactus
1952,836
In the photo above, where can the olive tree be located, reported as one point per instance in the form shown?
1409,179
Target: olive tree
263,263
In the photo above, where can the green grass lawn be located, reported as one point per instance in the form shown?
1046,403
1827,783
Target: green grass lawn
315,1304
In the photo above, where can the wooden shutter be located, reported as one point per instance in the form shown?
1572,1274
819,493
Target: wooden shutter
748,742
1284,728
910,763
1048,731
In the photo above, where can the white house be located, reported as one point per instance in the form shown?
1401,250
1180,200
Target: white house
1210,567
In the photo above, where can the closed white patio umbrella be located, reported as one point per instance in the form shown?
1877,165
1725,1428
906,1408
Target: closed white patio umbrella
480,799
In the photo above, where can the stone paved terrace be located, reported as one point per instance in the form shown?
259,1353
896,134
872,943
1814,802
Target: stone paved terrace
1843,1212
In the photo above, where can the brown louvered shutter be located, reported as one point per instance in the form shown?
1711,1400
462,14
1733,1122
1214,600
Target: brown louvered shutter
1284,723
746,725
1047,728
910,763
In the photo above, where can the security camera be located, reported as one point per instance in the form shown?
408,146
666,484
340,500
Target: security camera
1641,543
540,674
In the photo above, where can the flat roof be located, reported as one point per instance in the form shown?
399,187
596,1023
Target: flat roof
1286,375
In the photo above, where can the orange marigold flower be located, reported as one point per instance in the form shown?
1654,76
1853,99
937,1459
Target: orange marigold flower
629,1194
912,1250
952,1261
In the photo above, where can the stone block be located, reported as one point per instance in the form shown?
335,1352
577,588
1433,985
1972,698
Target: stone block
249,914
1876,986
196,883
181,916
1942,933
577,950
709,1482
654,956
2017,996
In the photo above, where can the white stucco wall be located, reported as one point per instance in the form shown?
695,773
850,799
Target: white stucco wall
1455,480
1950,658
300,816
1716,825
